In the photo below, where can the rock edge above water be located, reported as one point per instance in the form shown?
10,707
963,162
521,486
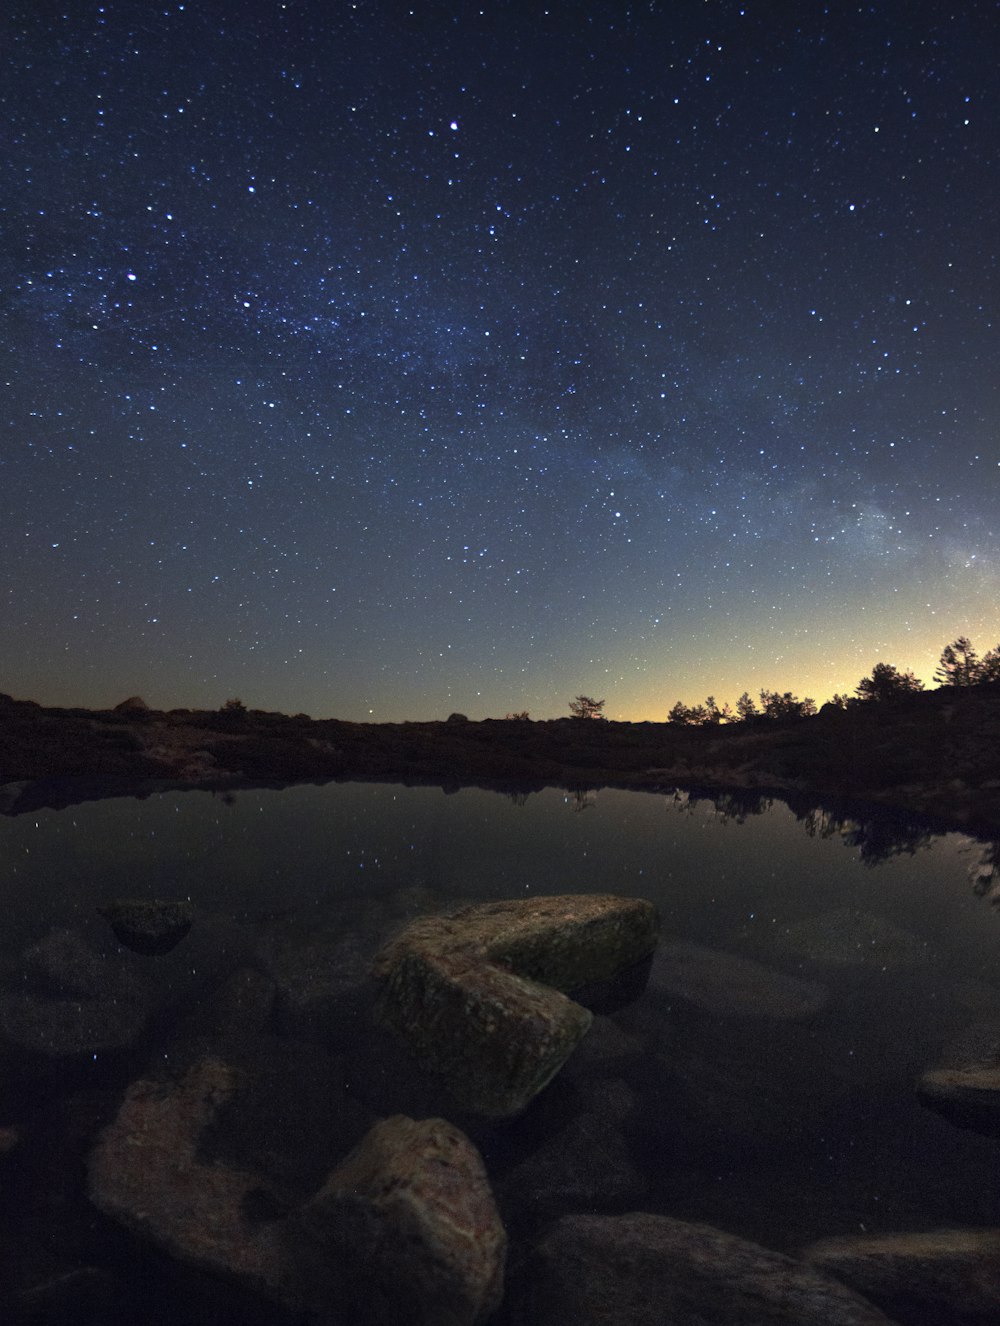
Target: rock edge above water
479,993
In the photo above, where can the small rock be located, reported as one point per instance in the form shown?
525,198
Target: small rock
410,1219
965,1085
732,986
651,1270
67,1029
477,993
948,1275
150,927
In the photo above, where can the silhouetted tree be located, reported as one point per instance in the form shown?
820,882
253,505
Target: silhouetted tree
586,707
959,664
838,701
745,708
521,716
715,714
887,683
778,704
989,665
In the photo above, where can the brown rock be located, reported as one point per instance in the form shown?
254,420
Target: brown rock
965,1085
145,1172
410,1218
732,986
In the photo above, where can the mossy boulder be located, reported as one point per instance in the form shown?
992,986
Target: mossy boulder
480,994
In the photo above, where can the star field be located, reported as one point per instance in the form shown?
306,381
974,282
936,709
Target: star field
378,359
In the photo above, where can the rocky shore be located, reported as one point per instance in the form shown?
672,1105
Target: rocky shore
936,753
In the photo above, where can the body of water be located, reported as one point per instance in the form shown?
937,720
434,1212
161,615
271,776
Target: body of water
809,971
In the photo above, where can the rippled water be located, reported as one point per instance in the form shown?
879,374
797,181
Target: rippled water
764,1082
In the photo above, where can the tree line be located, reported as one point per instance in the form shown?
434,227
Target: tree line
959,665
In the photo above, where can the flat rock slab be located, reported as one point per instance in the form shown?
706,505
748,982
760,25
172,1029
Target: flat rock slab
651,1270
410,1219
479,994
945,1275
965,1085
733,986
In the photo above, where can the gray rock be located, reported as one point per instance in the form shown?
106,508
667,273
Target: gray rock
965,1085
410,1219
948,1275
477,993
650,1270
148,926
732,986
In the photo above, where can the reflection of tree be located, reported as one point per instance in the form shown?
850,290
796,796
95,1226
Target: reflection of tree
985,870
581,797
518,798
878,837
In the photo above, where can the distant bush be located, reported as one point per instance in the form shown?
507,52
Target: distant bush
586,707
521,717
457,718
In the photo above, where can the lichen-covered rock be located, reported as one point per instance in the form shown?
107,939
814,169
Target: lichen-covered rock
150,927
944,1275
409,1219
965,1085
651,1270
478,993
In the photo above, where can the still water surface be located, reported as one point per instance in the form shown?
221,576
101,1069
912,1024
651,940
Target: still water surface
775,1123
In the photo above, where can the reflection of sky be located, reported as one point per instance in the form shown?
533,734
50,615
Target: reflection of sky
437,363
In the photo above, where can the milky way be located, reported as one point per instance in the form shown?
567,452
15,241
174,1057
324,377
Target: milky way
398,359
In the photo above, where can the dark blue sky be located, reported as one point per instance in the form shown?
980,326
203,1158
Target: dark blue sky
395,359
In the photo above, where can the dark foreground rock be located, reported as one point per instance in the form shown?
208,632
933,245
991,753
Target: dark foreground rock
409,1221
478,994
948,1275
404,1229
150,927
965,1085
650,1270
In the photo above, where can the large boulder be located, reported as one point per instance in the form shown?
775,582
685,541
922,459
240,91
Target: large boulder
651,1270
479,993
965,1085
947,1275
409,1219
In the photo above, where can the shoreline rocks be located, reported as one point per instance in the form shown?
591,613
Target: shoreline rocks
479,994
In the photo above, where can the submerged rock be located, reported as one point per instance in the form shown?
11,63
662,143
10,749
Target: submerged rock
848,937
733,986
146,1172
409,1219
651,1270
946,1275
73,1003
478,993
965,1085
148,927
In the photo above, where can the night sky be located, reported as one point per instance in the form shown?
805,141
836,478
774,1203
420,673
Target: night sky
389,360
